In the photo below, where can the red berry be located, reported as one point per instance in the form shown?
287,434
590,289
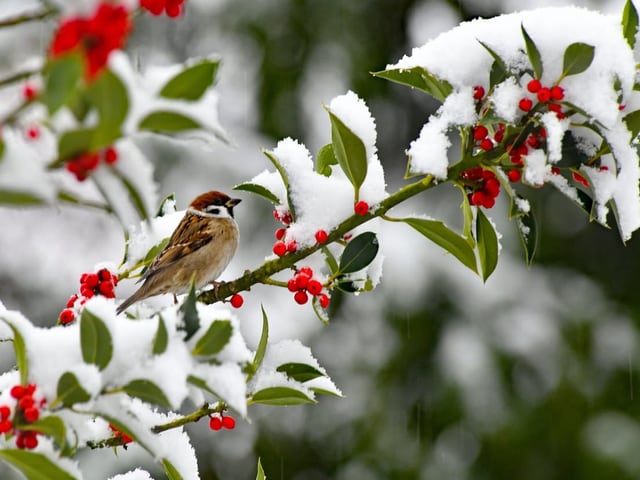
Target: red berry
31,414
477,198
489,202
534,85
280,233
544,94
308,271
314,287
555,107
555,170
514,175
621,107
557,92
492,188
478,92
66,316
480,132
104,274
110,155
173,10
228,422
92,280
279,248
86,292
321,236
292,246
301,297
25,402
486,144
17,392
29,92
580,179
30,441
301,280
499,133
361,208
533,141
525,104
106,289
72,300
5,426
215,423
292,285
33,132
542,132
237,300
20,440
5,412
324,300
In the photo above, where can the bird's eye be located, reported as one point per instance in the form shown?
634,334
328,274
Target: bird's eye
212,209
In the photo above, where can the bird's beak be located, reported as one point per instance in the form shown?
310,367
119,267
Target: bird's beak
232,202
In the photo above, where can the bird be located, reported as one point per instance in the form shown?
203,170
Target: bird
198,251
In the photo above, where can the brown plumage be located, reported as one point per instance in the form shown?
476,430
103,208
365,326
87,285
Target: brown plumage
199,249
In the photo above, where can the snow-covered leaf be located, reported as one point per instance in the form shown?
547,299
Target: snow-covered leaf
95,340
419,78
191,83
161,338
20,349
214,339
70,392
35,466
325,159
285,179
281,396
499,71
350,152
170,470
528,232
146,391
533,53
262,345
487,244
359,253
300,372
630,23
258,190
577,58
632,120
441,235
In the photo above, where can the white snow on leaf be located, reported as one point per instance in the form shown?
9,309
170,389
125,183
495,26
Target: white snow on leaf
355,114
137,474
227,381
555,129
535,167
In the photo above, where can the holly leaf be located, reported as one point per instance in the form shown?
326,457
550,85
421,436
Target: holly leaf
325,159
487,245
161,338
190,317
533,53
577,58
359,253
630,23
62,76
95,340
214,339
528,232
34,466
147,391
418,77
258,190
280,396
191,83
69,391
300,372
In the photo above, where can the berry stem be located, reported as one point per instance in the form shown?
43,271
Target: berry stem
268,269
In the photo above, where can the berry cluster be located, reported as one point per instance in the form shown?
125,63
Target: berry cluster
173,8
217,421
83,164
24,410
545,95
100,283
121,435
302,284
284,245
481,137
94,37
483,186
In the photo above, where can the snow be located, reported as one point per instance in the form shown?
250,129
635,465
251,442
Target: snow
136,474
552,30
355,114
535,167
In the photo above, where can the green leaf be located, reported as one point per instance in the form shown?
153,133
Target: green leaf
285,179
69,390
572,156
161,338
418,77
446,238
300,372
487,245
166,121
260,475
62,76
134,195
325,159
155,250
632,120
191,83
258,190
349,151
215,338
20,349
147,391
630,23
72,143
169,198
34,466
109,97
170,470
95,340
577,58
19,198
359,253
190,316
280,396
262,345
499,71
533,53
52,426
200,383
528,232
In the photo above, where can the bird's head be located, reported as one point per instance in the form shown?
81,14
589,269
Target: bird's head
214,204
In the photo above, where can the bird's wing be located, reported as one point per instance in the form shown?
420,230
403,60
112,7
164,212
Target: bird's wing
186,239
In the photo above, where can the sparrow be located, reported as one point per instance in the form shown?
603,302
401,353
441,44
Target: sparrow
198,251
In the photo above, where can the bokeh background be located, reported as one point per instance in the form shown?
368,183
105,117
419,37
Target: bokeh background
533,375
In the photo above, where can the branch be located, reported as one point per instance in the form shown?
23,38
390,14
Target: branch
28,17
268,269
